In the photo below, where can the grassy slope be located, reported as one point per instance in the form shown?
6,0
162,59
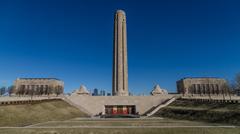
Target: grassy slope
124,131
210,112
22,115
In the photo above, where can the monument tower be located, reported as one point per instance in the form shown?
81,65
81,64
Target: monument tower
120,67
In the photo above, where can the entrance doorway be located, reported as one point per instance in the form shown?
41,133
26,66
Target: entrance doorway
120,109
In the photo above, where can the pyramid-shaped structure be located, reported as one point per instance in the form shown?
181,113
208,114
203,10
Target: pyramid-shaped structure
82,91
158,91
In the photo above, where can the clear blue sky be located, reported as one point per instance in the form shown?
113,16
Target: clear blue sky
73,41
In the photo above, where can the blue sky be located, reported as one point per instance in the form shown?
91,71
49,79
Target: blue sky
73,41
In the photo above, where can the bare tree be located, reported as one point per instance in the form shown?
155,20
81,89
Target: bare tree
226,90
11,90
2,90
31,93
236,84
20,90
192,90
58,90
50,90
209,92
38,91
230,90
41,90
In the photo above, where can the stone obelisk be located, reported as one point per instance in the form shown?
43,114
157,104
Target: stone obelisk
120,66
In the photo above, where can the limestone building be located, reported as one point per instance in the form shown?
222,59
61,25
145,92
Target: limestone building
201,86
120,66
38,86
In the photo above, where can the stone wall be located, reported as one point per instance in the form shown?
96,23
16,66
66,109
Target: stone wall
96,104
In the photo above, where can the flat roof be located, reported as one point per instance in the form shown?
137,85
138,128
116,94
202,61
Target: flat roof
38,79
201,78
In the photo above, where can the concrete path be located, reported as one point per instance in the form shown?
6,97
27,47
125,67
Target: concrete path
161,106
66,127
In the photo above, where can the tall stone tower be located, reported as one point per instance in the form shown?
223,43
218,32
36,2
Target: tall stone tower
120,66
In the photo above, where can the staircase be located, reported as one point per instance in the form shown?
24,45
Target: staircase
157,108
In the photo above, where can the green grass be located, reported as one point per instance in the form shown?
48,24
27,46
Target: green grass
124,131
124,122
27,114
209,112
67,127
62,115
206,105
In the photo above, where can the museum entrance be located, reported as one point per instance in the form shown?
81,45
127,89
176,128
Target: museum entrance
120,109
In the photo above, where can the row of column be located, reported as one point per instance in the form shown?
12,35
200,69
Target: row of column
205,89
34,87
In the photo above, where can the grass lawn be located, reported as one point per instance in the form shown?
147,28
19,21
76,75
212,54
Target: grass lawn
27,114
206,106
202,111
58,117
123,122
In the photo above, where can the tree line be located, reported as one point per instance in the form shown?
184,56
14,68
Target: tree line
23,91
4,90
235,85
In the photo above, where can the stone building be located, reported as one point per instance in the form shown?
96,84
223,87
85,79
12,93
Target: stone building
38,86
202,86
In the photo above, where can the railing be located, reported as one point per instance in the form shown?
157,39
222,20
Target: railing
161,106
